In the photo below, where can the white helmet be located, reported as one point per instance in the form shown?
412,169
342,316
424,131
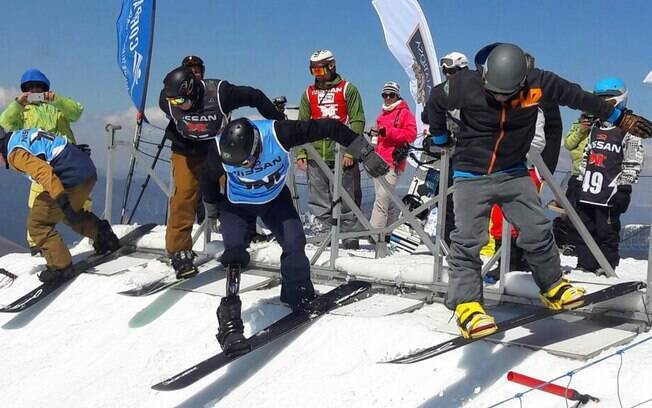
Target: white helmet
454,60
322,56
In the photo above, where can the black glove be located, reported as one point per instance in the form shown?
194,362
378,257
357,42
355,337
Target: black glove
372,162
620,200
400,153
84,148
634,124
73,217
212,216
382,132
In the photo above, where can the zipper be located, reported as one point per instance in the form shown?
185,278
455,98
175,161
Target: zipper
501,135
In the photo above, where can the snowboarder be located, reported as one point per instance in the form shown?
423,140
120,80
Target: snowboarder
612,162
198,111
38,106
67,175
255,156
499,107
330,96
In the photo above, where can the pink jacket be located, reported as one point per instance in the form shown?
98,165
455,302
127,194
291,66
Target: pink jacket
400,127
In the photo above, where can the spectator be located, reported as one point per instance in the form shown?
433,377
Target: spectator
396,128
330,96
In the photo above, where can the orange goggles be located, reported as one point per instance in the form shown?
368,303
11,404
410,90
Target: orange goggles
179,100
318,71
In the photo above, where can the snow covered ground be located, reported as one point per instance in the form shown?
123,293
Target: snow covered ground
87,346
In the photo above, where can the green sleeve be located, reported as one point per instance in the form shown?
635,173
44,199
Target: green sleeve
70,109
304,114
575,136
355,110
12,117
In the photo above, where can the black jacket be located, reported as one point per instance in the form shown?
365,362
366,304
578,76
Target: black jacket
290,133
494,135
209,112
553,130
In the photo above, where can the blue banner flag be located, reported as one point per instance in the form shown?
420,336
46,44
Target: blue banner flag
135,28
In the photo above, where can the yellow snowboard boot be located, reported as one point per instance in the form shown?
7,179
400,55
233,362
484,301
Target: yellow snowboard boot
563,296
473,321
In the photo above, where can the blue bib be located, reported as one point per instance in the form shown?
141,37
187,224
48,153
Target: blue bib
46,146
262,183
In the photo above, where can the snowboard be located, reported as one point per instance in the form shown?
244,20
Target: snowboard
91,261
607,293
342,295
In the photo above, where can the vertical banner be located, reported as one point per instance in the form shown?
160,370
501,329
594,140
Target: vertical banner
135,28
408,38
648,78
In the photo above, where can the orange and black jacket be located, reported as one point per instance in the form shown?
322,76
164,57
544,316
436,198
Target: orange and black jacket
495,136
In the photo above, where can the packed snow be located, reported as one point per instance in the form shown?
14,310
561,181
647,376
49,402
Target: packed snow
87,346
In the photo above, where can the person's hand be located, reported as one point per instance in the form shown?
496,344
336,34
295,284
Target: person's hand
73,217
347,162
621,199
585,123
22,98
49,96
382,132
302,164
634,124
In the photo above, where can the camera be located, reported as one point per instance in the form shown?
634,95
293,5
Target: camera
36,97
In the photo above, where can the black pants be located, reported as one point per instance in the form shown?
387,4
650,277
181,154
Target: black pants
280,216
604,224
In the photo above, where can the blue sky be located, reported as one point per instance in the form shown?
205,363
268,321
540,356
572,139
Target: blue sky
267,44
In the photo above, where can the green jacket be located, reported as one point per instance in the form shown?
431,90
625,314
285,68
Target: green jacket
575,142
54,116
326,147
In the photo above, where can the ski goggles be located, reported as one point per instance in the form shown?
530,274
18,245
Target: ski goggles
318,71
251,158
447,63
177,100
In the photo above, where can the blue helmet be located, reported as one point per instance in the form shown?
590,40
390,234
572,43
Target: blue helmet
612,89
34,75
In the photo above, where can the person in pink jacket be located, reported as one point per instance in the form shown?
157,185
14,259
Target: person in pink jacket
396,127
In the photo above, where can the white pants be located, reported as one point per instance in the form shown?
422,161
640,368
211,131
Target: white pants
383,204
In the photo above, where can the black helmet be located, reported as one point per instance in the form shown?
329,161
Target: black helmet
239,142
180,82
505,69
194,61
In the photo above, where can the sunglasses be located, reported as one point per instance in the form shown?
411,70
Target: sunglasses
251,158
388,95
176,101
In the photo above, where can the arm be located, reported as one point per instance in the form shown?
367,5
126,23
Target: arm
539,139
12,117
585,159
633,158
233,97
304,114
437,106
70,108
354,109
210,177
39,170
575,135
562,92
293,133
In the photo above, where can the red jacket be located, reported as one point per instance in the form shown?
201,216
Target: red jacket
400,127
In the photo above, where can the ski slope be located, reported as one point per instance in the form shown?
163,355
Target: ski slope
87,346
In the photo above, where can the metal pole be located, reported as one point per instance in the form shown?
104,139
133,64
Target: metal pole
441,213
505,253
572,214
336,184
132,164
108,199
648,293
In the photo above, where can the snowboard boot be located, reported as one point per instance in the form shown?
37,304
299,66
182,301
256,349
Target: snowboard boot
473,321
106,241
563,295
183,264
299,301
230,332
51,275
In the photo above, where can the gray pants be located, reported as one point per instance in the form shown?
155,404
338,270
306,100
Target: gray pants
384,208
321,195
517,195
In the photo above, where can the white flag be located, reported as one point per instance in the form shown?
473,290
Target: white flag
648,78
408,38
